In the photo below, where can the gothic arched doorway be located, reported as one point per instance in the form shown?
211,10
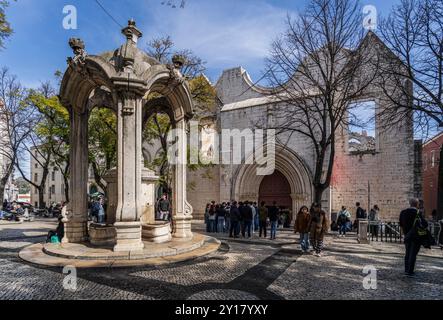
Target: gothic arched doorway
276,187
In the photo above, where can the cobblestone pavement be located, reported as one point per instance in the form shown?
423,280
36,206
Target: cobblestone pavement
241,269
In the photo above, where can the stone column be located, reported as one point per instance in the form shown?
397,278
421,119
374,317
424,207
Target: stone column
129,202
182,210
76,221
111,184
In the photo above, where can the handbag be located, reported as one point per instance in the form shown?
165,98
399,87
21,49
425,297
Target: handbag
54,239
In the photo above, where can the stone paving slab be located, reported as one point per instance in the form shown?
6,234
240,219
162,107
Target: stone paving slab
242,269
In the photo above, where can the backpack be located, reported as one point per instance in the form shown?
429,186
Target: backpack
419,232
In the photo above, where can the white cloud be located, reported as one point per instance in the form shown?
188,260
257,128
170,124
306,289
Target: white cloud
224,33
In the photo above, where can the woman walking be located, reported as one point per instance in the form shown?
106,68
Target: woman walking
318,226
302,225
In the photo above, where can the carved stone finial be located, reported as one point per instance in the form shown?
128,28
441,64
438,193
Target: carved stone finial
131,32
78,47
76,44
178,61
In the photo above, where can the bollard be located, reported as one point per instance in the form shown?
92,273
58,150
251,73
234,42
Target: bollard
362,236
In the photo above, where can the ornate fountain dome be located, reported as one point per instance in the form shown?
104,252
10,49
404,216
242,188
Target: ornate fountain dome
128,56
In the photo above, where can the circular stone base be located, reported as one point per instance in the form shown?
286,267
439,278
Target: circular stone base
86,256
157,232
102,235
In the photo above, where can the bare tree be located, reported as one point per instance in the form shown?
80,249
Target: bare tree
414,33
16,124
158,123
43,141
318,68
42,154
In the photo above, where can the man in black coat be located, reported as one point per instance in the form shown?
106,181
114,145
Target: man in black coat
234,214
359,214
247,217
412,244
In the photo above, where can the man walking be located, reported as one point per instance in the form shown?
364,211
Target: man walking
409,218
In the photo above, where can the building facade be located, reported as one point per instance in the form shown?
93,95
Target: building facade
54,191
384,169
431,163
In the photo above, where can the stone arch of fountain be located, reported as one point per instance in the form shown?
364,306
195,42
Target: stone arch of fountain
134,86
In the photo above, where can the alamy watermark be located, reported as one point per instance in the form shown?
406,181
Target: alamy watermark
370,279
70,280
233,146
370,17
70,17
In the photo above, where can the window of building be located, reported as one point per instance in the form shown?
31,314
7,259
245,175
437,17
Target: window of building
53,175
36,190
361,126
425,162
53,189
35,177
36,165
432,158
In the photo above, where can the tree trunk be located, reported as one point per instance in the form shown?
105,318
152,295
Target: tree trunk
440,187
66,180
97,177
41,200
318,194
66,183
2,192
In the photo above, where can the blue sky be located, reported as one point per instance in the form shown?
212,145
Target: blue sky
225,33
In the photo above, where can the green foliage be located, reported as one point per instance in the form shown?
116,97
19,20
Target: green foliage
103,139
5,26
202,91
54,124
23,186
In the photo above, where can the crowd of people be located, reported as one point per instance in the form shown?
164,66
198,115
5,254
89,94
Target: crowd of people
13,211
244,218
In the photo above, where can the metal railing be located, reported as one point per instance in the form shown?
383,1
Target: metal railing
392,232
385,231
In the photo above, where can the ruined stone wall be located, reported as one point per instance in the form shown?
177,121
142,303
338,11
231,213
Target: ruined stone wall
384,177
203,187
